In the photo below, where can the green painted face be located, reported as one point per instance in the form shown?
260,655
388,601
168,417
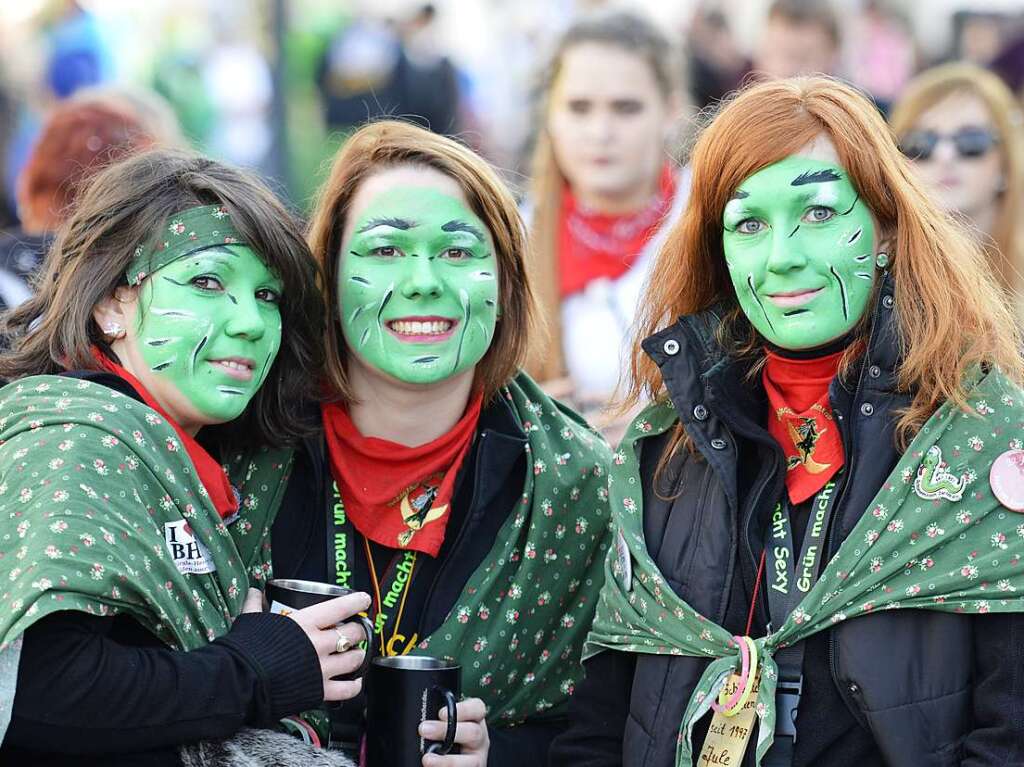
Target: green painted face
418,286
210,324
799,244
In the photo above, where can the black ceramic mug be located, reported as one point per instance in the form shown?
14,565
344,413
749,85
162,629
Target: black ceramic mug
401,692
289,594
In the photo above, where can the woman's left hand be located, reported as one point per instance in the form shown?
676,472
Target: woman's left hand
470,734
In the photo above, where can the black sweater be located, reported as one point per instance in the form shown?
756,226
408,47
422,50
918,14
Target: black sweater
103,690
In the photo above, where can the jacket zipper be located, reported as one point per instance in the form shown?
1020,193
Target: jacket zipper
844,693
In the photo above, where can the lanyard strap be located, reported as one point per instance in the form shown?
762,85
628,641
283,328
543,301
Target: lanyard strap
789,579
389,593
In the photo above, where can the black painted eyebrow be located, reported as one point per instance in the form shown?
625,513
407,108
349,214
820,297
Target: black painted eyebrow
462,226
739,194
394,223
815,177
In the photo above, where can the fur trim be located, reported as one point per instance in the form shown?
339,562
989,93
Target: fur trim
260,748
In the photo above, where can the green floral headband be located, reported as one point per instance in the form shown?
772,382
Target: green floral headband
186,232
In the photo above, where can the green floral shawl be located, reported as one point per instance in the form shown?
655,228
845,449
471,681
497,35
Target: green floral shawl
519,625
934,537
94,486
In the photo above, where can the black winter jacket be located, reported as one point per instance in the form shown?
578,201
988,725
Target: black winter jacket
930,689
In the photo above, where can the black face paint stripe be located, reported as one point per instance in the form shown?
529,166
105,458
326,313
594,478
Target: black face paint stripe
424,360
175,282
489,302
364,336
383,303
233,299
851,207
162,366
750,284
842,291
462,336
795,229
855,236
462,226
356,313
815,177
199,348
394,223
360,280
158,342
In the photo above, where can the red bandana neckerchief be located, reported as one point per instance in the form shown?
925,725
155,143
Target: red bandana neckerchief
210,472
800,419
396,495
593,245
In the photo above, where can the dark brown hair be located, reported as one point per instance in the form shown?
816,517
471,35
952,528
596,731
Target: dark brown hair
808,12
389,144
121,208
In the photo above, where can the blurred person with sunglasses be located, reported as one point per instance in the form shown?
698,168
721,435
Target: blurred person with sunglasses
962,128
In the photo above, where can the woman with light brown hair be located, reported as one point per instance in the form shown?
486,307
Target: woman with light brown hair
603,184
964,130
445,482
834,434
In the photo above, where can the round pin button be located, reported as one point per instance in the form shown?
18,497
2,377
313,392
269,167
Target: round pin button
1006,478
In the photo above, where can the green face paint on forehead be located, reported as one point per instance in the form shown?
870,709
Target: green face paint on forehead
798,243
418,286
210,323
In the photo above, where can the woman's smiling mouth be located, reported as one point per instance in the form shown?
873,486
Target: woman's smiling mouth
793,298
239,368
419,330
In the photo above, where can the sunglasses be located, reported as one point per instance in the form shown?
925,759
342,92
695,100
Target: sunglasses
970,142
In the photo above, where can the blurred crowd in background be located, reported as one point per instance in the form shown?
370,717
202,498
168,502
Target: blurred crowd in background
276,85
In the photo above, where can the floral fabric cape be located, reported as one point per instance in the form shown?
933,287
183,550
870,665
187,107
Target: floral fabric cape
94,486
934,537
519,625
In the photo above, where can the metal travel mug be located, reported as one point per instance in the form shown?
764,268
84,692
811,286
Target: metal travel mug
401,692
288,594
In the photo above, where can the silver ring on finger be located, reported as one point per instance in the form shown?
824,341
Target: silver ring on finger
344,644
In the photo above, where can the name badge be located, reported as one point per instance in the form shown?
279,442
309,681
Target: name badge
190,554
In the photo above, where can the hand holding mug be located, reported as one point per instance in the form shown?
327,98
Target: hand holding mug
336,645
470,735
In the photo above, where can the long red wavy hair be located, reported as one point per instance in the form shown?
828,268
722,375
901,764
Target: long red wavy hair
950,311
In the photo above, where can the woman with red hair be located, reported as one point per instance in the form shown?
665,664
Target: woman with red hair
835,433
80,137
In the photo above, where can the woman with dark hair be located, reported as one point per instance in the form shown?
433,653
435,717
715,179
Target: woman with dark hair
603,186
816,518
177,310
469,504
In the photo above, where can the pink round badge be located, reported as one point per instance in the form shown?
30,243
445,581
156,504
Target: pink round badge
1007,479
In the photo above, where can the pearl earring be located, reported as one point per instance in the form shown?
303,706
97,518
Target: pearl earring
882,260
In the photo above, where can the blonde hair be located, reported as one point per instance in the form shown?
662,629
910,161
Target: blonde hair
388,144
951,315
635,35
929,88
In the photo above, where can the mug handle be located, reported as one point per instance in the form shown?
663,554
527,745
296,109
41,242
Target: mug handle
449,736
361,671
